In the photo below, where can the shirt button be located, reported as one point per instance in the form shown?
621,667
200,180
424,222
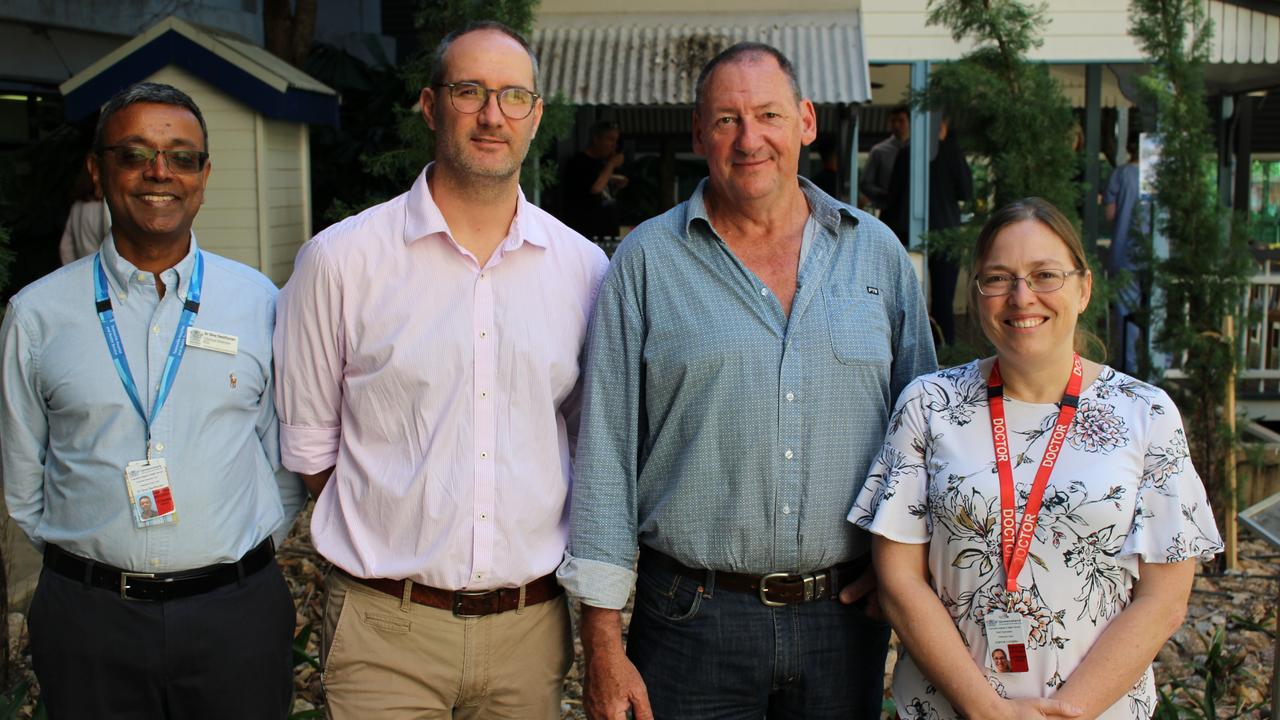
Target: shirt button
764,291
155,562
484,334
160,447
788,454
786,509
484,455
142,277
484,393
483,276
791,397
484,516
155,329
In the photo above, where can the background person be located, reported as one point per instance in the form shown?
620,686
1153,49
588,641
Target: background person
88,221
1104,577
591,181
878,172
1120,203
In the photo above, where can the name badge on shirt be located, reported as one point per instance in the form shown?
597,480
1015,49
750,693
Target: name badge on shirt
209,340
150,496
1007,635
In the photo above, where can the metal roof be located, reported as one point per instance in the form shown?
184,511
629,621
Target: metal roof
631,60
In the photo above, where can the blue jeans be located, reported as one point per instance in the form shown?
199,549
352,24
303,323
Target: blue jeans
711,654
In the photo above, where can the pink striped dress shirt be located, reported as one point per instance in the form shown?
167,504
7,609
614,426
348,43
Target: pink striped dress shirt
444,394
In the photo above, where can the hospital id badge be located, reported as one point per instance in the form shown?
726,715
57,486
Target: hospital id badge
150,496
1007,635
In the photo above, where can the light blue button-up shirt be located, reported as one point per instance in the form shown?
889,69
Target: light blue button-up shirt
716,429
68,429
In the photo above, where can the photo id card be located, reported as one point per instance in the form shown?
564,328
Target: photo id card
215,341
1007,635
150,496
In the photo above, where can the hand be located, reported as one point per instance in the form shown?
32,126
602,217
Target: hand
613,686
1040,709
615,161
864,586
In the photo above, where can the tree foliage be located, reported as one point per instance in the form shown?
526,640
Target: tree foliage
397,167
1204,276
1006,108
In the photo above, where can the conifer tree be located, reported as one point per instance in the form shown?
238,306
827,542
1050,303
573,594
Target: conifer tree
1007,109
1204,276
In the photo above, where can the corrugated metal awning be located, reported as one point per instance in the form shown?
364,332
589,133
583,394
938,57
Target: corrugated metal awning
1243,35
631,60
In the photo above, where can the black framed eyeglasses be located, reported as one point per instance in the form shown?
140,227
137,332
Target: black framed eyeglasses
994,284
470,98
132,157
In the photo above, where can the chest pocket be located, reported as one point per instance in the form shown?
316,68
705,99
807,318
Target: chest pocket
859,329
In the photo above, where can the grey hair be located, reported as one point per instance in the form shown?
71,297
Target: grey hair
437,58
147,92
742,51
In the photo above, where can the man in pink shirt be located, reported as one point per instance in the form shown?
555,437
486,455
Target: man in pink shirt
427,358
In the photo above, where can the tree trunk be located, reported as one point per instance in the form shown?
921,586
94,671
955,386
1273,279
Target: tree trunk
288,29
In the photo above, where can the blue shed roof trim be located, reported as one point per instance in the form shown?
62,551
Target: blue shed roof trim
173,48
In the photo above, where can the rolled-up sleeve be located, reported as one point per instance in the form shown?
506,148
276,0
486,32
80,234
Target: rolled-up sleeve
24,425
309,356
602,538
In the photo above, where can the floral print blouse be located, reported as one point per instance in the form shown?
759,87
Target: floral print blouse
1123,490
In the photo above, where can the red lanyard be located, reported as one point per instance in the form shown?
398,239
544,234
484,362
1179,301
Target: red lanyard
1015,537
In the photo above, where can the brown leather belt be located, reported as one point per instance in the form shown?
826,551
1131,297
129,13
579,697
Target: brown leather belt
467,603
774,589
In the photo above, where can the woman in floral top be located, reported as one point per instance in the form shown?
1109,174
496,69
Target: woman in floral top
1059,613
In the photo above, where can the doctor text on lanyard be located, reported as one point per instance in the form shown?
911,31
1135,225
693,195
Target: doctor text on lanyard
1015,536
190,306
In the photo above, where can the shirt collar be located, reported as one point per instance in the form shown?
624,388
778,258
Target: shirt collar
826,210
121,272
423,218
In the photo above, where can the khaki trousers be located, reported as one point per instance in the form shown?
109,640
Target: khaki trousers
389,660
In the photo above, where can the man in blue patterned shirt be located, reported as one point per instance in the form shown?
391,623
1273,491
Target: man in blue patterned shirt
746,350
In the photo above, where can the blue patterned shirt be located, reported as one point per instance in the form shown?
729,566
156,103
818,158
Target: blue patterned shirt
716,429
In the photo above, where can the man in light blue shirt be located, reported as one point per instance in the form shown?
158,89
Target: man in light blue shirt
138,442
744,355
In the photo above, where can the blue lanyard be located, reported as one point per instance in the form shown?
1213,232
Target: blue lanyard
190,306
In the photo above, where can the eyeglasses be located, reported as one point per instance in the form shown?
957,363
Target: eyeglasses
1041,281
470,98
131,157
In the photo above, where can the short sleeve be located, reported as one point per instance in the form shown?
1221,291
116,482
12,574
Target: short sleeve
1113,188
893,502
1172,519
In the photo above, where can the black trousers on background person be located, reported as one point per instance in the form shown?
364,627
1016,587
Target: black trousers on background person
226,653
943,275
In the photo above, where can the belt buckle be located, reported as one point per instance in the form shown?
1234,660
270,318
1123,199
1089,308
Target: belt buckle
764,588
460,595
124,583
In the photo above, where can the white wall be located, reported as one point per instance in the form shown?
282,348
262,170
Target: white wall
1078,31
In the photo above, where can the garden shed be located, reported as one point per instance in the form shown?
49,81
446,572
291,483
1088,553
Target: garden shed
257,107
